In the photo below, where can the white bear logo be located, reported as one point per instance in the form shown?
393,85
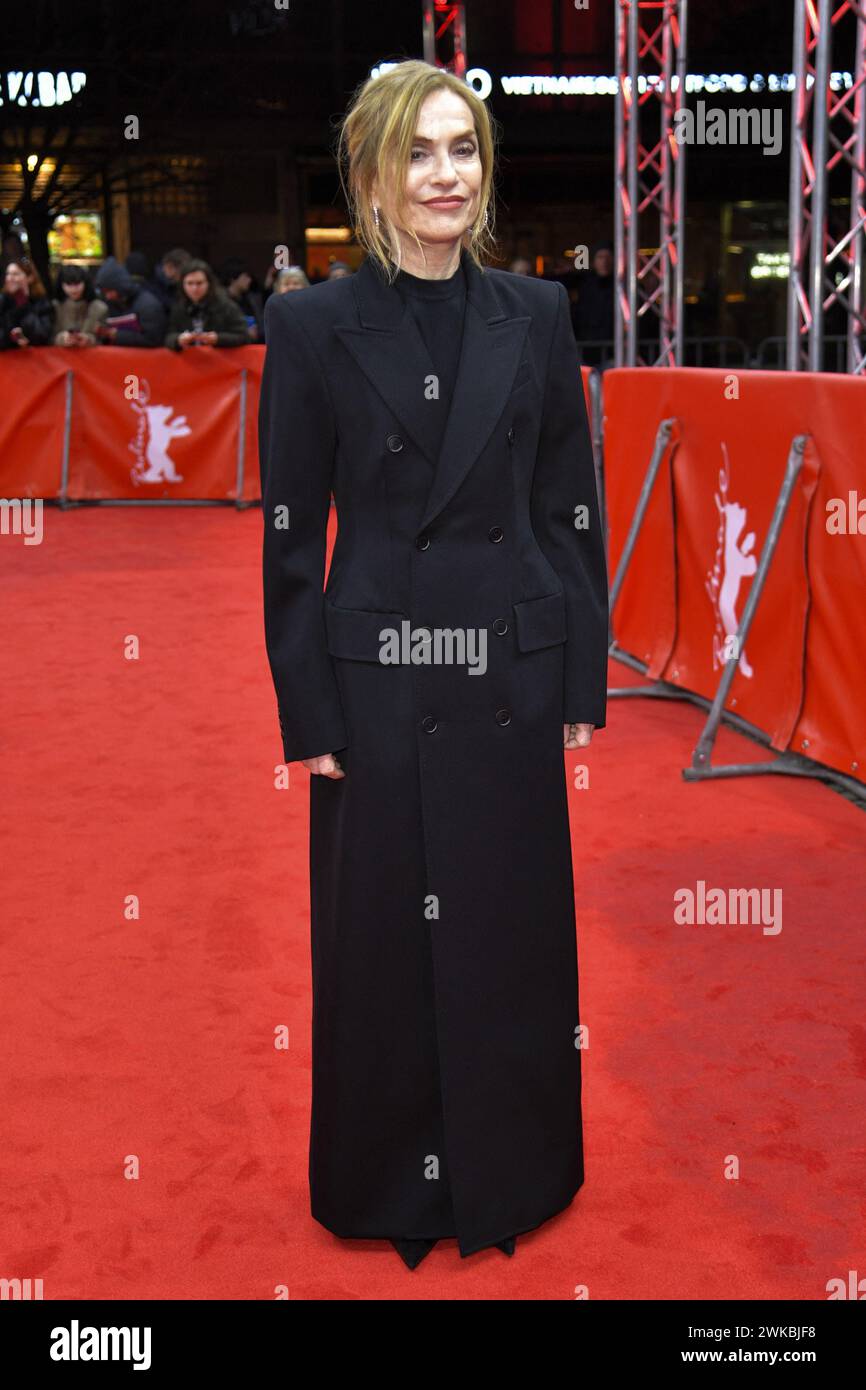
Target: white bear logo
156,429
734,562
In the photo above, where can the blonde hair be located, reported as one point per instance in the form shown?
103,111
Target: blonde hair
375,143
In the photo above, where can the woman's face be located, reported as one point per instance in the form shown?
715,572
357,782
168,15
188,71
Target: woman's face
15,279
73,289
444,178
195,286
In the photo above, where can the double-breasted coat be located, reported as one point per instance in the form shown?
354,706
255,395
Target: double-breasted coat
446,1067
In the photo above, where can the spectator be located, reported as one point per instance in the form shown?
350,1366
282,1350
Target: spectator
77,311
12,250
144,315
594,319
292,278
203,314
139,267
269,281
34,279
244,290
166,277
26,317
520,266
337,270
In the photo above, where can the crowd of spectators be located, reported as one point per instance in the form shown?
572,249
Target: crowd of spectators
181,303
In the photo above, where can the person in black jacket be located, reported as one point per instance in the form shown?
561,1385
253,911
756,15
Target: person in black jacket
203,315
165,281
243,289
458,650
593,321
25,320
124,296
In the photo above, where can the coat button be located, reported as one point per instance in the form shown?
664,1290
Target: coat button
511,436
428,724
503,716
500,627
394,443
495,534
422,542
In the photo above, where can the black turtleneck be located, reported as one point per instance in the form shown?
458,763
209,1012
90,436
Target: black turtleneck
437,307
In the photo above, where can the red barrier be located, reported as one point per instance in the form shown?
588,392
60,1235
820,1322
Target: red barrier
136,424
156,424
800,676
33,386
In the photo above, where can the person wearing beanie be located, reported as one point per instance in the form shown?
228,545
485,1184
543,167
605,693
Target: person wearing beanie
139,267
125,297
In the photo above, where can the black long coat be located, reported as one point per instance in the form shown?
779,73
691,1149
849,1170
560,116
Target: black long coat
446,1071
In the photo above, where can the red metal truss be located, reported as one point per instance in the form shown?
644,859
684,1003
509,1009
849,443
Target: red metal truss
828,130
649,182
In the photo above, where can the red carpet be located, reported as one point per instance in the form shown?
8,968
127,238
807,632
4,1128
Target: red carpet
154,1038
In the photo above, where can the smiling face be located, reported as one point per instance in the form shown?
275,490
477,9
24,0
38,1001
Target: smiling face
444,177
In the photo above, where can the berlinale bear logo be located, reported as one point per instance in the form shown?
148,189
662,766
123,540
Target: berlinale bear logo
154,432
734,561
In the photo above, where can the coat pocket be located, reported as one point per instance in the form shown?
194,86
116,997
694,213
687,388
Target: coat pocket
356,633
540,622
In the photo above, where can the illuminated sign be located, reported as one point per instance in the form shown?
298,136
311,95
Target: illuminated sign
771,265
596,85
41,88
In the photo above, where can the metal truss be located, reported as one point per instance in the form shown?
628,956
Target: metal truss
649,182
828,129
444,30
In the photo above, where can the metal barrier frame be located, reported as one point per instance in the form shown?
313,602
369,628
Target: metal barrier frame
240,503
701,770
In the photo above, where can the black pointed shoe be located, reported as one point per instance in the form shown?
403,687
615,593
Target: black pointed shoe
507,1246
412,1252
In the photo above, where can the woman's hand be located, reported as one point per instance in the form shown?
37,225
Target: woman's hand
326,766
576,735
185,339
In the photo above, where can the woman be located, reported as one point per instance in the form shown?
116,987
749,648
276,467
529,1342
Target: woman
443,405
78,314
26,315
203,315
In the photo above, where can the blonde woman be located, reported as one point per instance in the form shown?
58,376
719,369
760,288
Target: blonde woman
459,646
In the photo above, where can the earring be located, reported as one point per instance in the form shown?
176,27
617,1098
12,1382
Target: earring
375,215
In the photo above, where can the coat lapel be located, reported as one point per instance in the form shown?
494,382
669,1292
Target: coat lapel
390,351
